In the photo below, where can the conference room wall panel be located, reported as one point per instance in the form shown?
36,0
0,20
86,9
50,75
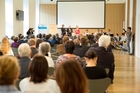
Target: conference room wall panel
115,16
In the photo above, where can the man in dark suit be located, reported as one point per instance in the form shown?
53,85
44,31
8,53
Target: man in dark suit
69,31
63,31
24,60
105,57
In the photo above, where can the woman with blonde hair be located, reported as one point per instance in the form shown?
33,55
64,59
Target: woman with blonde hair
9,72
5,47
77,31
71,77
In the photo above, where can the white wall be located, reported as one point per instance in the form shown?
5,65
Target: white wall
2,18
137,34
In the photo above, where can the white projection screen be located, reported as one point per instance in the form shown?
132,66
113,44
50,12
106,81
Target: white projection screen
85,14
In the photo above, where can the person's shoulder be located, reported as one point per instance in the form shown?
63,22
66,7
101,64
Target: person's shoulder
25,80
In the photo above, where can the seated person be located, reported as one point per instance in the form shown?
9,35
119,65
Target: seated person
21,39
44,49
91,70
71,78
53,41
61,47
39,82
15,44
82,49
24,53
33,48
9,71
69,48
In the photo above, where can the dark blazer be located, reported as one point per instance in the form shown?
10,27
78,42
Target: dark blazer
105,58
81,50
63,32
34,51
24,63
69,31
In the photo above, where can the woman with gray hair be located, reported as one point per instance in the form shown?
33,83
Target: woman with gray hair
44,49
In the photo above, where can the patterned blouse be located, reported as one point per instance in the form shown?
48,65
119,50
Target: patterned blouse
62,58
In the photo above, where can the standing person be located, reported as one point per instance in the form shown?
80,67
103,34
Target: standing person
30,32
69,31
9,72
77,31
71,78
128,35
63,32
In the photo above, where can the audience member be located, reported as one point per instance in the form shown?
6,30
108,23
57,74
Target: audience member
33,48
15,44
82,49
53,40
5,47
69,48
105,57
21,40
24,53
44,49
11,40
91,70
39,82
38,41
61,48
9,71
71,77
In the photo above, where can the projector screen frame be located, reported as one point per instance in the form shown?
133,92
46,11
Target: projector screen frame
81,1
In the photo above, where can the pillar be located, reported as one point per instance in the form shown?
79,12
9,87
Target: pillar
2,19
17,24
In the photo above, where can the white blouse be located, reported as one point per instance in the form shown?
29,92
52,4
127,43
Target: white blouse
50,86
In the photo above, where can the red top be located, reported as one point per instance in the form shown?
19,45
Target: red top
77,31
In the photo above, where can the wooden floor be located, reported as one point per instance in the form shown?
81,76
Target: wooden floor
127,74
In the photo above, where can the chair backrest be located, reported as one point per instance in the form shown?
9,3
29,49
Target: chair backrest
50,71
15,50
99,85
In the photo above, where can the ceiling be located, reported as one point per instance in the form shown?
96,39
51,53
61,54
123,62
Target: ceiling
54,1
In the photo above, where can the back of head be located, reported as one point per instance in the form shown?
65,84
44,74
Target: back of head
69,47
104,41
44,48
129,28
9,70
65,39
38,69
76,41
31,42
83,41
24,50
71,77
5,45
15,39
90,54
38,41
